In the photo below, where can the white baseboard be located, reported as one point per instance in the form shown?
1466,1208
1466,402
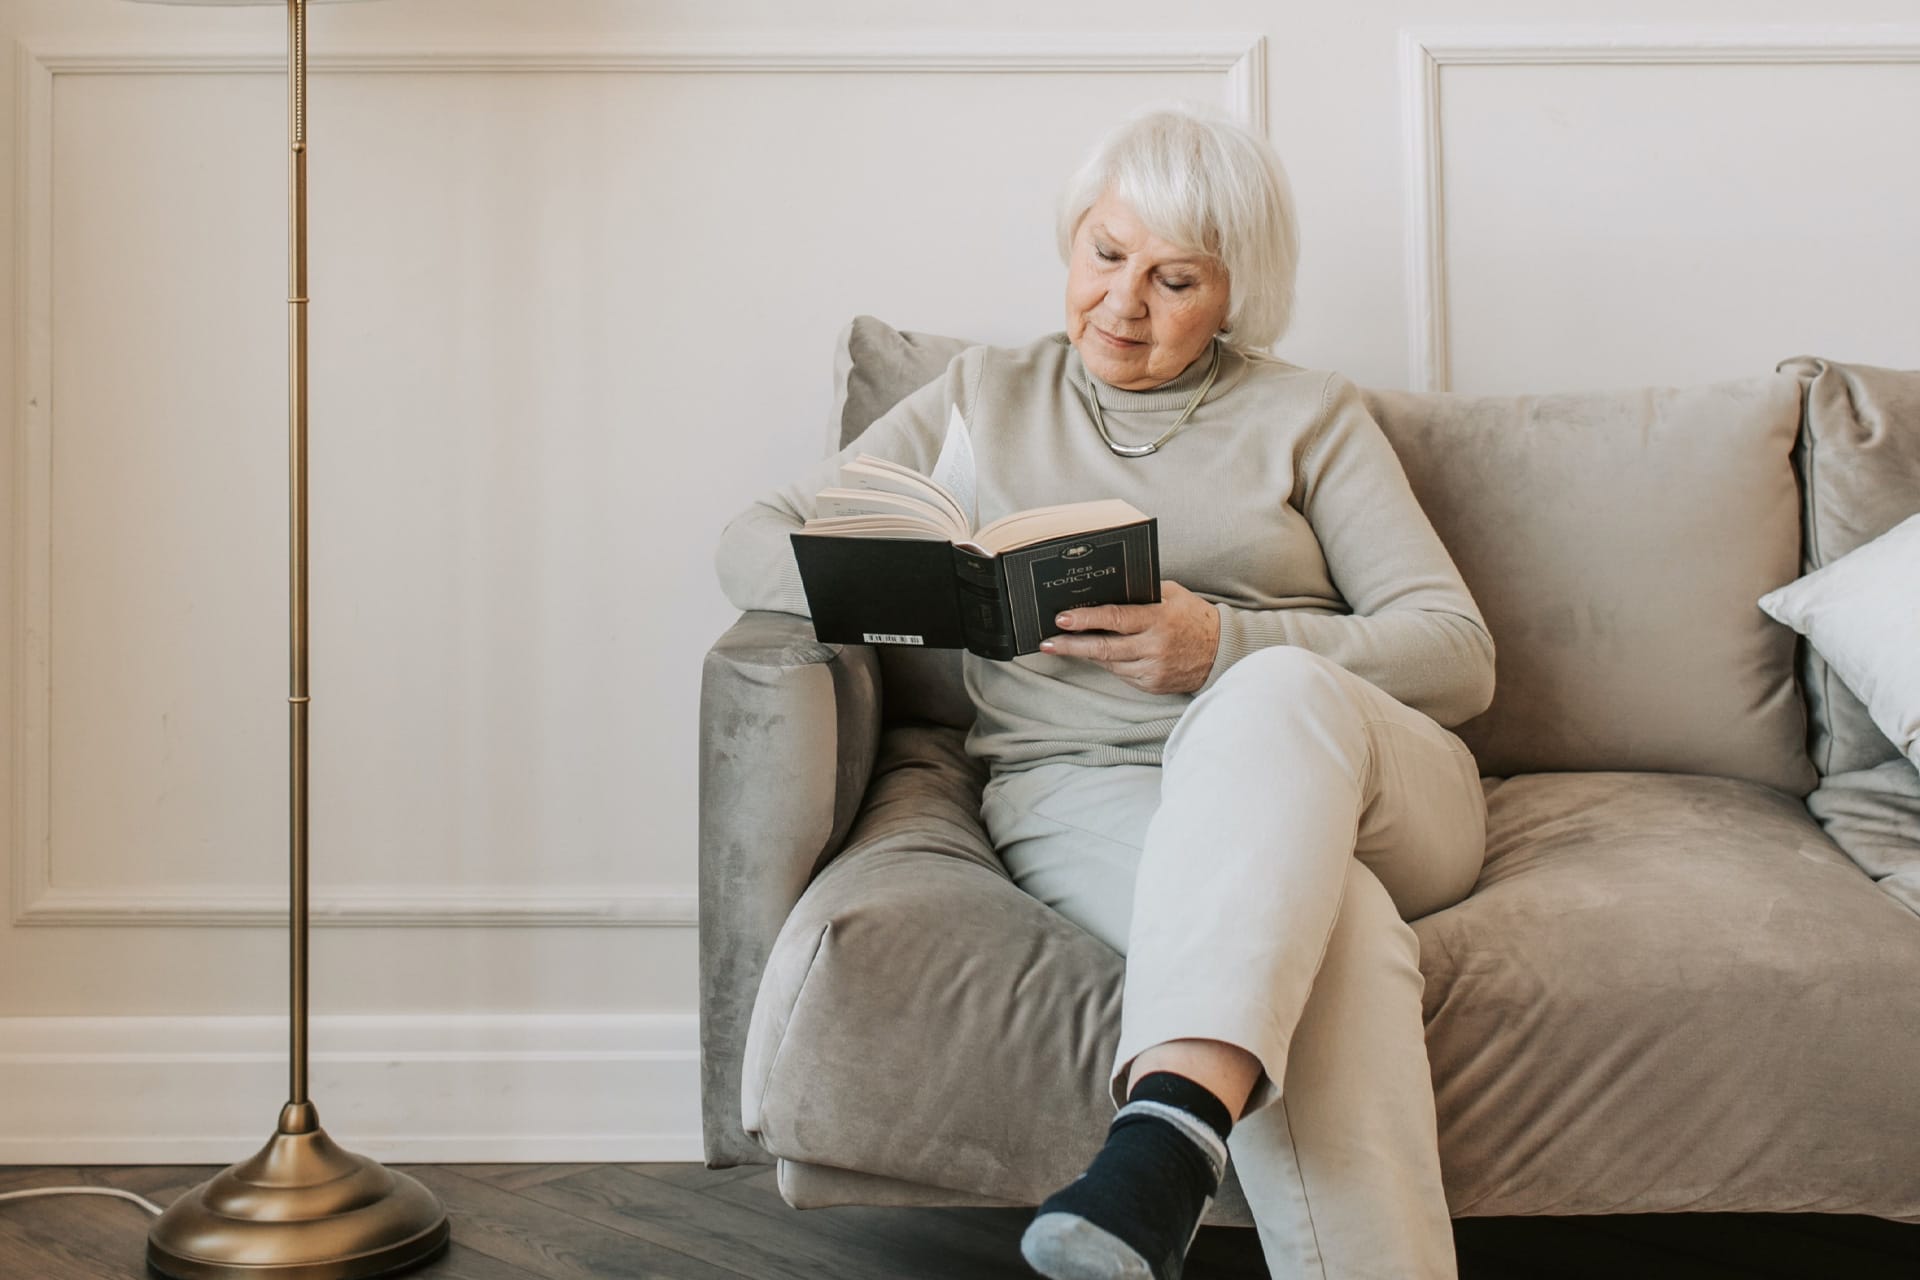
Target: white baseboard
440,1088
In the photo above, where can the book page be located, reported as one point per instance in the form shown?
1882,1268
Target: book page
1040,523
872,526
882,476
954,471
832,504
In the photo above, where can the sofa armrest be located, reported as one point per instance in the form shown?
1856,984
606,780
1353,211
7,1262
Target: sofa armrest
788,732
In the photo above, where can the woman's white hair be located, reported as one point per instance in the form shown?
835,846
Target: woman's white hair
1209,185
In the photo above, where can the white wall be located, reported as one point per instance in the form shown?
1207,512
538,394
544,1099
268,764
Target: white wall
577,268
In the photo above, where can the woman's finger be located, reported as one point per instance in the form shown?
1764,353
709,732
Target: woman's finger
1128,619
1103,647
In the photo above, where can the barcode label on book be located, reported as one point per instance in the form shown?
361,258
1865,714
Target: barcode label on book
885,637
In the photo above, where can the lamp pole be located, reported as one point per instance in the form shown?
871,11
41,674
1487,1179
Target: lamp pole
302,1207
298,699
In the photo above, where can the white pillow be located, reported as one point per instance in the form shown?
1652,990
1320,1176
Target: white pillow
1862,615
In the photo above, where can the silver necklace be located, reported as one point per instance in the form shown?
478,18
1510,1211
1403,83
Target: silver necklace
1142,450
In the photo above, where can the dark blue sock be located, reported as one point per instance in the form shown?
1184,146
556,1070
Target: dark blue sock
1135,1211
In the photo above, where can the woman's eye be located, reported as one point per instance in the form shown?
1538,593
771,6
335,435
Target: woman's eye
1104,255
1177,285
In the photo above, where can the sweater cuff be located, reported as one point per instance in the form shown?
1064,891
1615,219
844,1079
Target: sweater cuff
789,593
1235,643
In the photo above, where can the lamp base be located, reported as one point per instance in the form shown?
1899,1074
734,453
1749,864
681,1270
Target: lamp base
302,1208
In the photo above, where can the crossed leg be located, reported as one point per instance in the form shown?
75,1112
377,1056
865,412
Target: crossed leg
1257,883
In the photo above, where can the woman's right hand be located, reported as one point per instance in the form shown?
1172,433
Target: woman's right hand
1157,648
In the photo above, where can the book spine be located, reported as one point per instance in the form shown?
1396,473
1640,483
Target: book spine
984,616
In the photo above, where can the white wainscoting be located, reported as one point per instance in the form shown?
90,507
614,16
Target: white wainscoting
473,1078
1428,52
38,896
438,1088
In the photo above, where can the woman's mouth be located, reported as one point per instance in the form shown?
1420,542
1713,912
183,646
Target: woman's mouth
1116,340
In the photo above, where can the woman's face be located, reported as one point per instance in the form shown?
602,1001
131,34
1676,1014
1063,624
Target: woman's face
1139,309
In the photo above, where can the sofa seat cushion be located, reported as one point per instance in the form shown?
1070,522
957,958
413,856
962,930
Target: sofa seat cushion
1667,992
923,1019
1671,993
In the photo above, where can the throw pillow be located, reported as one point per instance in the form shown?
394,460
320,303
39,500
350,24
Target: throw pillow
1862,614
877,366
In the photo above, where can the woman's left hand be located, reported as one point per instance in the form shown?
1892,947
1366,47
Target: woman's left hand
1157,648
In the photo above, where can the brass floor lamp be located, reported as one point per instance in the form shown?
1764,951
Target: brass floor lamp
301,1208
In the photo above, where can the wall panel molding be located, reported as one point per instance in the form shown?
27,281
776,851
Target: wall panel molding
1240,58
362,906
1425,52
37,899
558,1087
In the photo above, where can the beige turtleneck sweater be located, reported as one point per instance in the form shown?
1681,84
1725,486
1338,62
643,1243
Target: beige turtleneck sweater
1280,501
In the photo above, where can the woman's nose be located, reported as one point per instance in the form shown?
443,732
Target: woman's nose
1128,294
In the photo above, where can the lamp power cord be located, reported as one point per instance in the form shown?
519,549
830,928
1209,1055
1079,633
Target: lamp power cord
142,1201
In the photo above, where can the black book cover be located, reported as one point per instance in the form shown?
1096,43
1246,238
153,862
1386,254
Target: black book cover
924,592
1107,566
881,590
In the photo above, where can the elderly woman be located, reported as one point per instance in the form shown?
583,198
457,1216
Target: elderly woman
1245,788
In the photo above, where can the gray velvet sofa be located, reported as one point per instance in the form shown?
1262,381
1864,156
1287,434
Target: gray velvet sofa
1688,978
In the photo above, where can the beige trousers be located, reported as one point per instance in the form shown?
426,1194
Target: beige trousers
1258,882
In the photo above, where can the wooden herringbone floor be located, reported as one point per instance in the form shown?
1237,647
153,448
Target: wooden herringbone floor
685,1222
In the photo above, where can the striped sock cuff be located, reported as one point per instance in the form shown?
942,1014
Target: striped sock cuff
1202,1134
1189,1095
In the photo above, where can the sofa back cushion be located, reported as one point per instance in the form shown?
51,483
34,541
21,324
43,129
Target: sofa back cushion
1616,543
1859,462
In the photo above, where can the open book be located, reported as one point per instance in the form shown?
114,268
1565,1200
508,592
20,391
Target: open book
892,557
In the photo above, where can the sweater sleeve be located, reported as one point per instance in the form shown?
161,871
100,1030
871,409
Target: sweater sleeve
1413,629
755,558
